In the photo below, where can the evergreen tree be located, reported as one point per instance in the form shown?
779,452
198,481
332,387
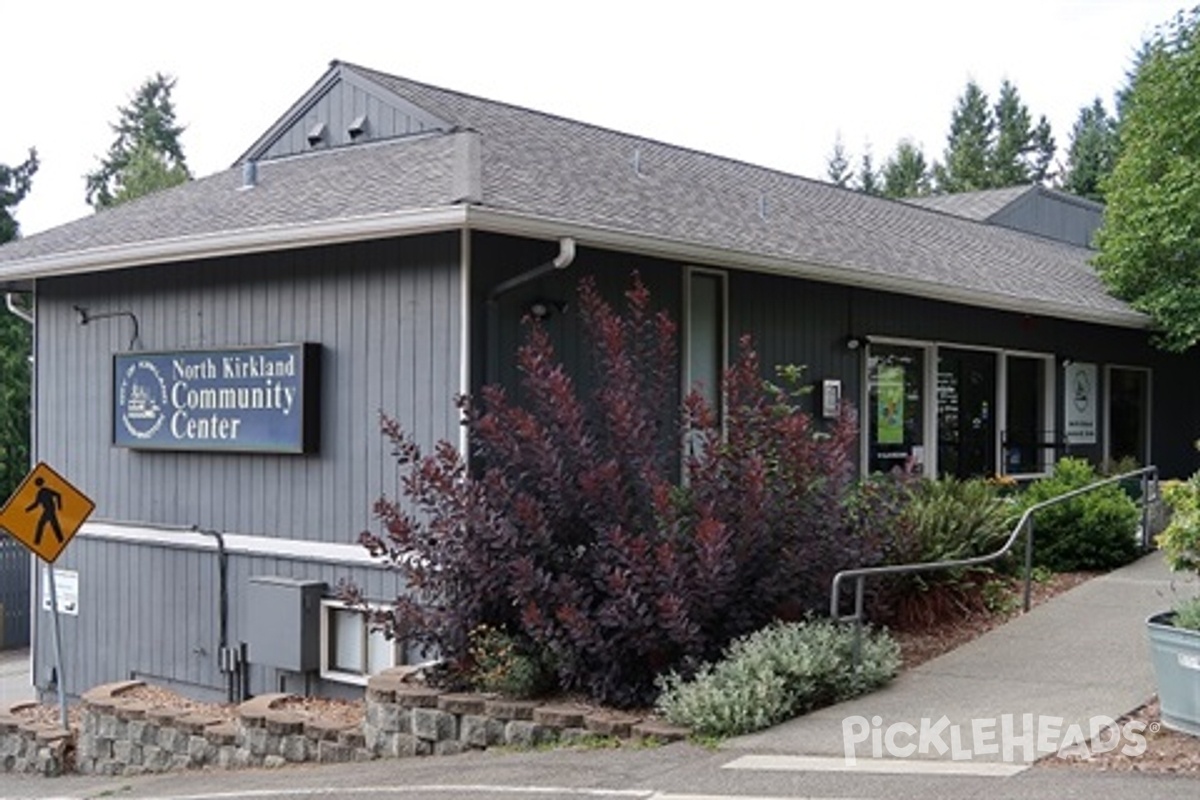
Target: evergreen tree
1044,147
1092,152
837,165
1022,152
868,177
906,174
1013,134
146,155
14,185
966,162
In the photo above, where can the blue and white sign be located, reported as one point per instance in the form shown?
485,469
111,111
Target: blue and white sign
260,399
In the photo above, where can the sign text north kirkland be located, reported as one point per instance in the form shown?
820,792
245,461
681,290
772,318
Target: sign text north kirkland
257,399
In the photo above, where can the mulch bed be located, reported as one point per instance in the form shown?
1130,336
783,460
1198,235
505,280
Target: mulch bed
920,645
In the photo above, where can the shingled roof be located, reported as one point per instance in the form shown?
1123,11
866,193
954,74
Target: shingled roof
505,168
981,205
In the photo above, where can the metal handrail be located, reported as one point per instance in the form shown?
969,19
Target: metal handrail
1148,475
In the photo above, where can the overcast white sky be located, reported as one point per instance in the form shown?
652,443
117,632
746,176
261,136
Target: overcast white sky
767,82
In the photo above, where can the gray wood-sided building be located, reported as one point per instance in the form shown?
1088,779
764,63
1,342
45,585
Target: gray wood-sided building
211,360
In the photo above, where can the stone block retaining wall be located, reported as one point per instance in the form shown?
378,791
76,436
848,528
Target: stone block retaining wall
120,736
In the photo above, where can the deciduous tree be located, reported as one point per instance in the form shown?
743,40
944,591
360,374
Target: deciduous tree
1150,241
15,183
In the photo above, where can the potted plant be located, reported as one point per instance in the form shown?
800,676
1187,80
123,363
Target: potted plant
1175,634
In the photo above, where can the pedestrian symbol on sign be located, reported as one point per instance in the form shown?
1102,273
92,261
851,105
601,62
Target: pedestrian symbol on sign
50,502
45,503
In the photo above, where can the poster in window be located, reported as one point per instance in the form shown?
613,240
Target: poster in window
1080,390
889,427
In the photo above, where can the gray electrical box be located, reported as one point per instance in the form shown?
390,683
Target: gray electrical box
283,622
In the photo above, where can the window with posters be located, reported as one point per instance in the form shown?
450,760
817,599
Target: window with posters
895,406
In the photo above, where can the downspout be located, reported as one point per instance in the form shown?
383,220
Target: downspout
16,310
564,259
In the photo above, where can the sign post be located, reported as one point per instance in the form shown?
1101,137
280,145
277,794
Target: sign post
44,514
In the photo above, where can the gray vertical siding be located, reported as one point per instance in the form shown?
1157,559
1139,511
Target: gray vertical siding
152,612
1056,216
338,107
387,316
14,593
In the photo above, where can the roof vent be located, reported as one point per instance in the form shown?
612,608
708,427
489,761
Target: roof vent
249,174
316,134
762,206
637,161
358,128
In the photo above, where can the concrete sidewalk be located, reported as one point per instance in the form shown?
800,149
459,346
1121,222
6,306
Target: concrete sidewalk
14,677
1080,655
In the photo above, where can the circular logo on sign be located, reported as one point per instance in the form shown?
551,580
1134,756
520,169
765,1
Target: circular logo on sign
1083,391
142,398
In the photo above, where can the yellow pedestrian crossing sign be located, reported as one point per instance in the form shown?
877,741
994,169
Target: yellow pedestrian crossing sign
45,512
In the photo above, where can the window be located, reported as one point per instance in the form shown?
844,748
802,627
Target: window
895,406
1128,412
965,411
705,341
1027,437
350,651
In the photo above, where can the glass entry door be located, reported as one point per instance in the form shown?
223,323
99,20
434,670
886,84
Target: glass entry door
966,413
1129,415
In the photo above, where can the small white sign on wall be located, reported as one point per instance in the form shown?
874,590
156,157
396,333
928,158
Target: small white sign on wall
66,584
1081,393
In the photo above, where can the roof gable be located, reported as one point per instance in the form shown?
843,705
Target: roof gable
342,108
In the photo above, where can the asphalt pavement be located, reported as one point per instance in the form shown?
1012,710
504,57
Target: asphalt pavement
15,685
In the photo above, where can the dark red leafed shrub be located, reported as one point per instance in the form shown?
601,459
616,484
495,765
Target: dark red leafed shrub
573,531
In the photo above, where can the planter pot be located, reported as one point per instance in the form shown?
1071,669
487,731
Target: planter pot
1176,656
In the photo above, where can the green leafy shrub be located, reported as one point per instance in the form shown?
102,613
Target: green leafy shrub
776,673
1095,531
502,663
1180,541
1187,614
947,520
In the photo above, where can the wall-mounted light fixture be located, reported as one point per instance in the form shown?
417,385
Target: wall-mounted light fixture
855,342
86,317
542,309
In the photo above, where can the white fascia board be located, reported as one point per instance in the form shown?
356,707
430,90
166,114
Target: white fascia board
495,221
230,243
430,220
235,543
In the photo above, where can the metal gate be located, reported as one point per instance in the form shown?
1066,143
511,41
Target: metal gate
14,593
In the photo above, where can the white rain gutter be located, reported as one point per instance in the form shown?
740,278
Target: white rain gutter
280,237
16,310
